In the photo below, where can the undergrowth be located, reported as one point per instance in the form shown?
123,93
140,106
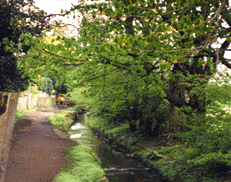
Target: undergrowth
204,155
84,163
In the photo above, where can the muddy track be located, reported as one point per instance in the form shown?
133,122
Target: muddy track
37,154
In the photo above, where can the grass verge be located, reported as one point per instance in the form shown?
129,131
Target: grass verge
84,163
19,114
85,166
62,121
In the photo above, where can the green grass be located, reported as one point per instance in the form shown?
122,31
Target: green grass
84,166
61,121
19,114
84,163
66,177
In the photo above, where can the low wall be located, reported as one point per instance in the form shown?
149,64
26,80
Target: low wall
45,101
29,100
8,101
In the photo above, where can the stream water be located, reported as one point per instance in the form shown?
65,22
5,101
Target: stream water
118,166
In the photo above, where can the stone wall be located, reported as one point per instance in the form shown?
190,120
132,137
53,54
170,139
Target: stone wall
30,100
8,101
45,101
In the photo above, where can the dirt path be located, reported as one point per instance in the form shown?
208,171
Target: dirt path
37,153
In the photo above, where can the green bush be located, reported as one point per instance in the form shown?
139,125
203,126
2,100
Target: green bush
144,113
47,86
79,108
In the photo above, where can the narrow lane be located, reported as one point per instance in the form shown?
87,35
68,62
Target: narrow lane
37,153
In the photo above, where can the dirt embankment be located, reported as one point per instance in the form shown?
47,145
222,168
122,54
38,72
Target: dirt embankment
37,154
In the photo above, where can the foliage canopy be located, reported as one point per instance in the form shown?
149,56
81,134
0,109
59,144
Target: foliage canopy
135,55
149,65
17,17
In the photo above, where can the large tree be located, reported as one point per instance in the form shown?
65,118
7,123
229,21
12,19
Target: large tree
17,17
144,51
171,39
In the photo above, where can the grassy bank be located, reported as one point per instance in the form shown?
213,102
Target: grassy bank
192,147
62,121
84,165
189,161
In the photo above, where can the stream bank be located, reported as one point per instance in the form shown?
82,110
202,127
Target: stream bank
84,164
117,163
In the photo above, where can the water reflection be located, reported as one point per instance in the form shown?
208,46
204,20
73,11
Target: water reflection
116,164
3,102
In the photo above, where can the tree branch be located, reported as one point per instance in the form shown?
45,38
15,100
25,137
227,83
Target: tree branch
174,100
60,56
225,62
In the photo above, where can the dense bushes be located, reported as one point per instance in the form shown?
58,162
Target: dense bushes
203,156
198,150
197,146
47,86
148,117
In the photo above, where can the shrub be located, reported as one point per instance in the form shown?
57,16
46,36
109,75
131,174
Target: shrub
47,86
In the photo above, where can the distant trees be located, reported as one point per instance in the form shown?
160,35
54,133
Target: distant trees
47,86
53,86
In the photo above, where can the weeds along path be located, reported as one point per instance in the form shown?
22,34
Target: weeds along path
37,153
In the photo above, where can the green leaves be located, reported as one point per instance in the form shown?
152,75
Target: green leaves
131,51
47,86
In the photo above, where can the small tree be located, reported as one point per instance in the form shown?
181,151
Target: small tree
47,86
